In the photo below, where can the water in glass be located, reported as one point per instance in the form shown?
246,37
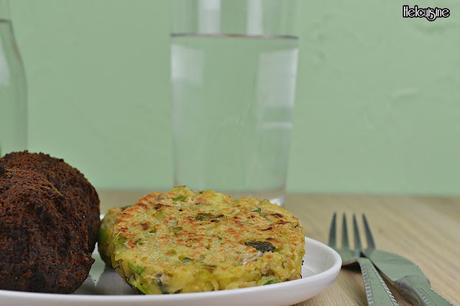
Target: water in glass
233,97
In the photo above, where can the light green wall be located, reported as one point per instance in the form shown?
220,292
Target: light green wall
378,106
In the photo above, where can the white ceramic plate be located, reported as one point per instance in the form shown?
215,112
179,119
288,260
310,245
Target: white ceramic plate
104,287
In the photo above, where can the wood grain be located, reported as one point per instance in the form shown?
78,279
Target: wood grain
423,229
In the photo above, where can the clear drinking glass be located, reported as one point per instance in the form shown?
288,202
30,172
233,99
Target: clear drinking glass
233,74
13,90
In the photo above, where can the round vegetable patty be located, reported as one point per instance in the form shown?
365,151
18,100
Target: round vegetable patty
182,241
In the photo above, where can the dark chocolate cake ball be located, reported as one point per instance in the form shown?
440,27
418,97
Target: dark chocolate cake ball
41,246
82,203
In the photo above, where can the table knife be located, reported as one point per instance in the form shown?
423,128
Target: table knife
407,277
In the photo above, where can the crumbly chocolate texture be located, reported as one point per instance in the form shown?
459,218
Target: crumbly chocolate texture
41,248
82,205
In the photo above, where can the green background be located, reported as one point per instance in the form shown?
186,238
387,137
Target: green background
377,110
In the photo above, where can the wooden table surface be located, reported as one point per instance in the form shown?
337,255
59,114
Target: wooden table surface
425,230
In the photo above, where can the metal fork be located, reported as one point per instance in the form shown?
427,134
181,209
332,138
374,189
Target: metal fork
377,293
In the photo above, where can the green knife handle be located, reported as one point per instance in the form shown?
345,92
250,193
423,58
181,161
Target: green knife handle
419,292
377,292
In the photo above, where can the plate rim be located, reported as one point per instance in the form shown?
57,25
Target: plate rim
331,271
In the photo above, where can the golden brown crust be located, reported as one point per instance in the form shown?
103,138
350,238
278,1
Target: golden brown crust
182,241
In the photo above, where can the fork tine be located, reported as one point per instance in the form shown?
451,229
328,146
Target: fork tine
332,231
356,236
369,236
345,244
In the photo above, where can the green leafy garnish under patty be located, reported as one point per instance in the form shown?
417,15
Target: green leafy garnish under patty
262,246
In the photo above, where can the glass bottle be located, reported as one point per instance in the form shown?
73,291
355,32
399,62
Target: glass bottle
13,88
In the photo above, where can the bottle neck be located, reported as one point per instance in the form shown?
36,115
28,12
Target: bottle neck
4,9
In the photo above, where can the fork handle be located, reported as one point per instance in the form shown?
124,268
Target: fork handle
419,292
377,292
